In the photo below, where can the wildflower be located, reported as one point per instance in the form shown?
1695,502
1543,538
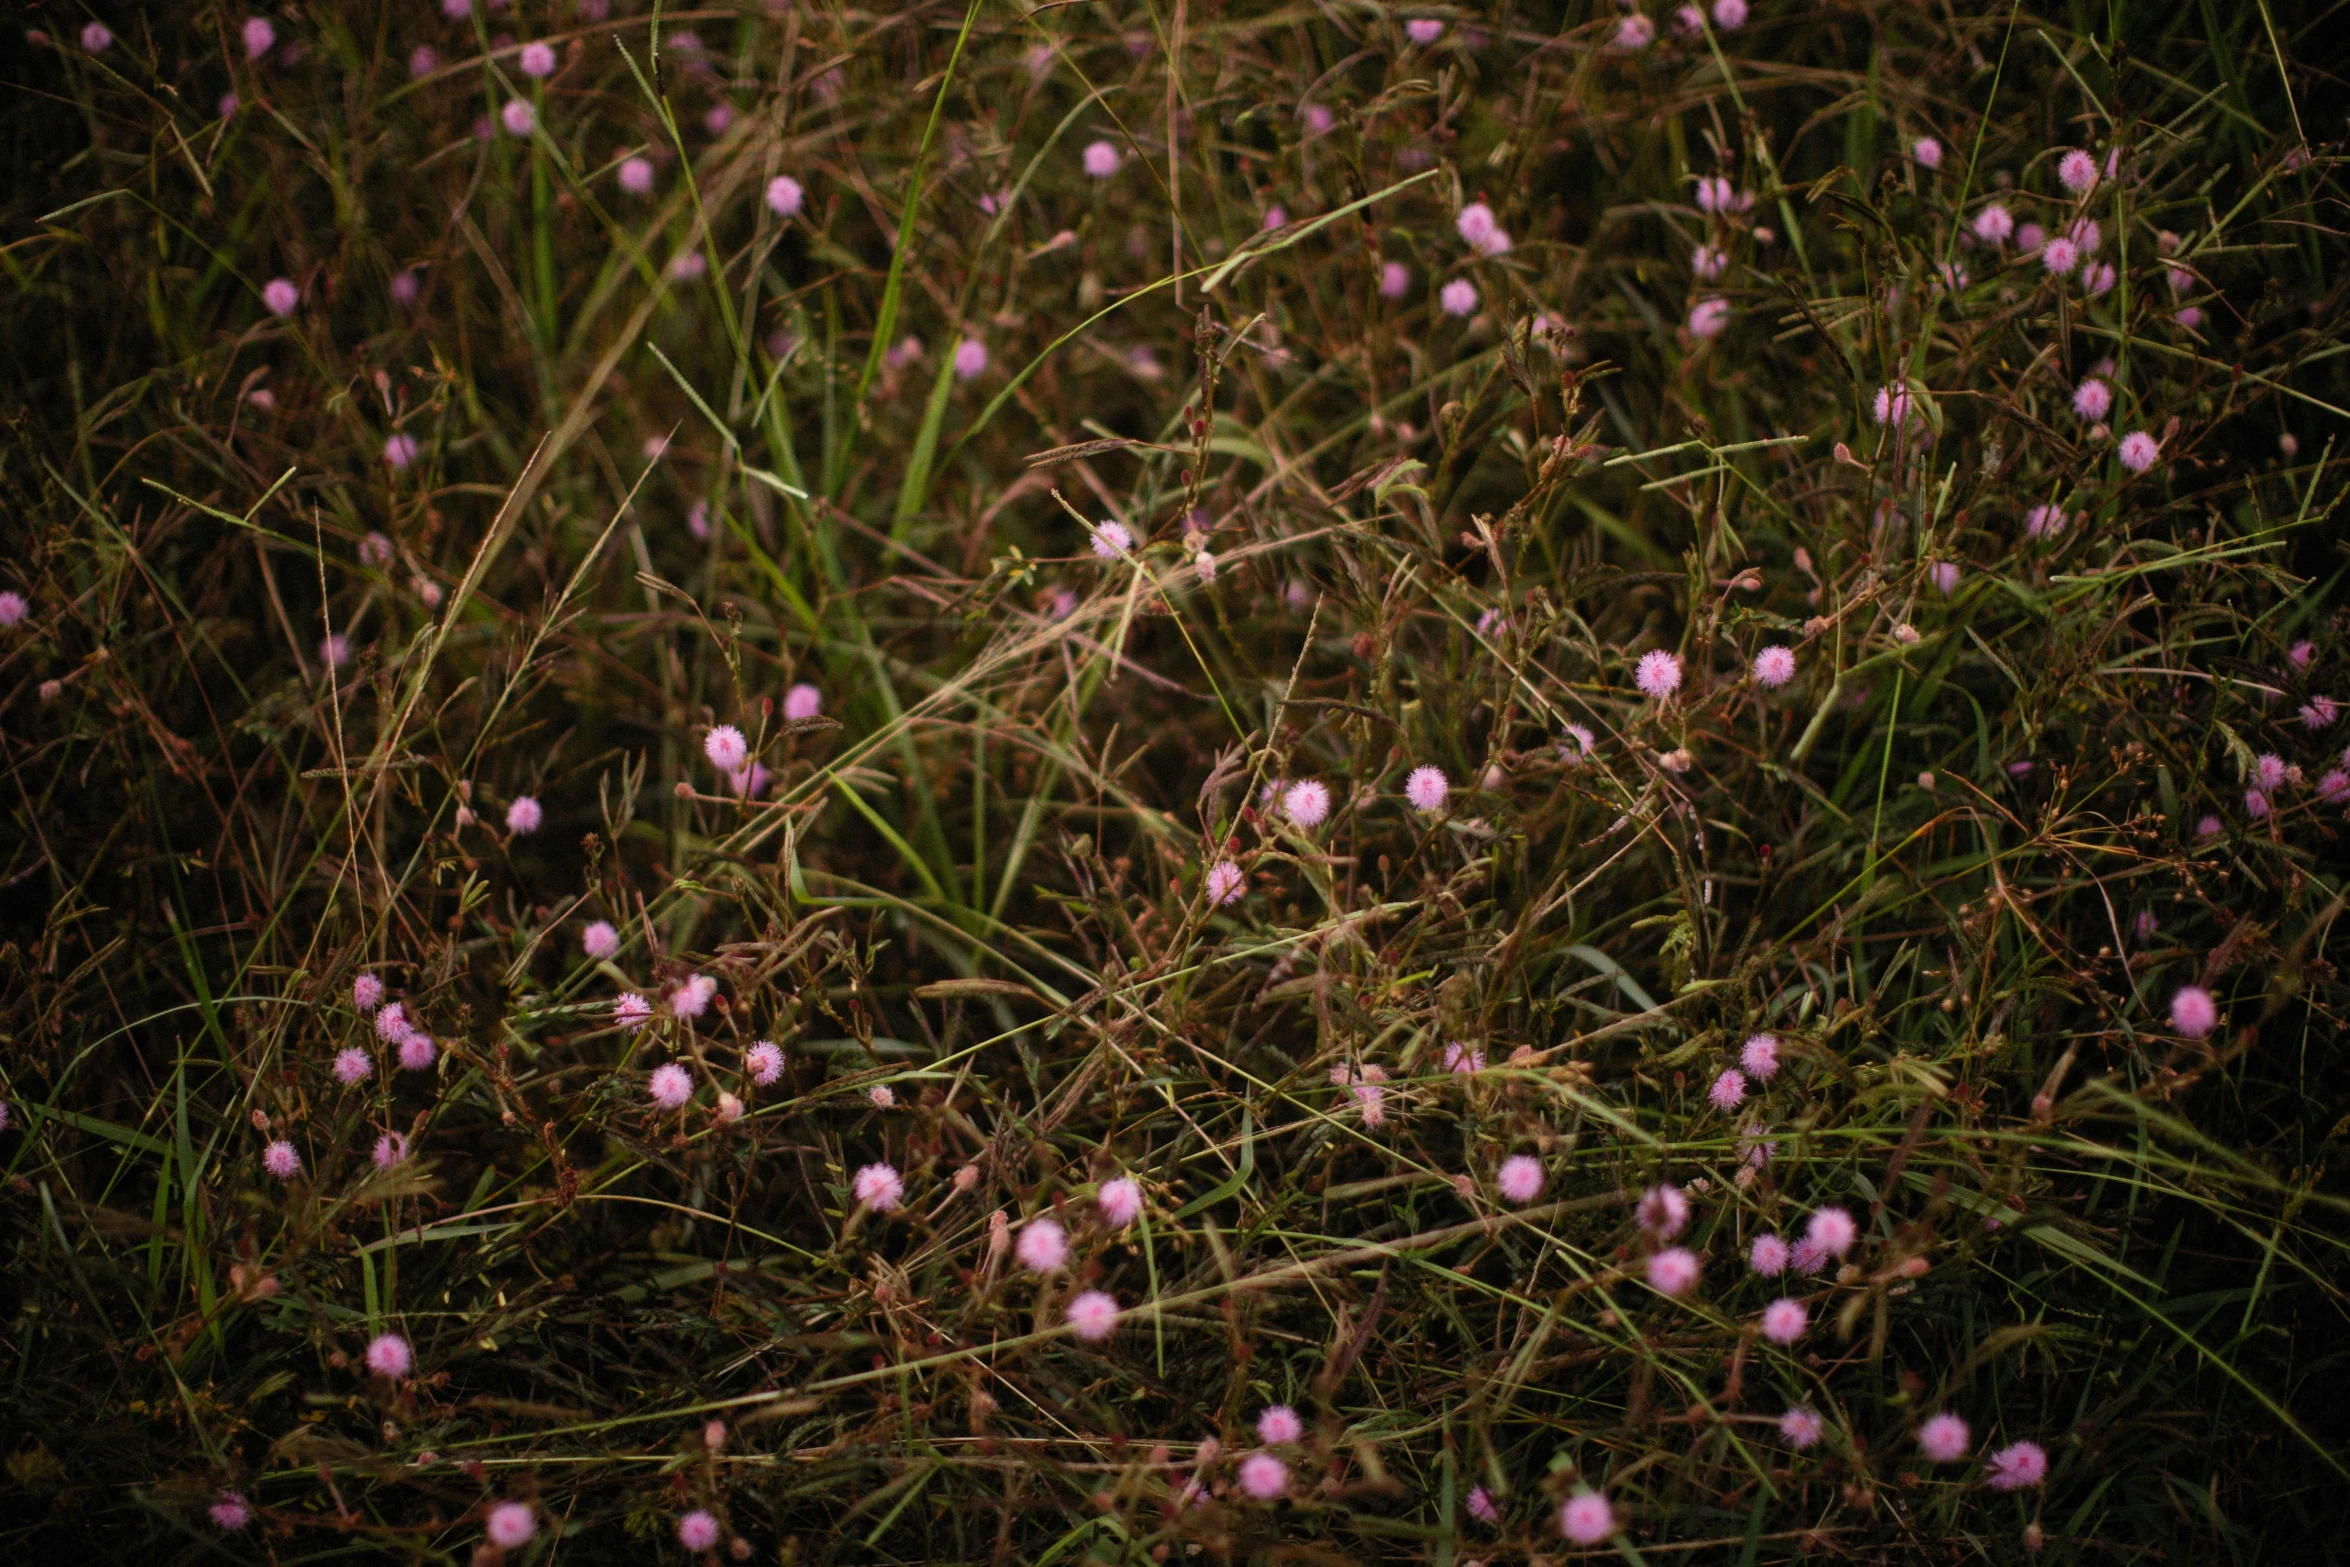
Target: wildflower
1663,1212
1927,152
2333,786
1587,1519
1120,1201
524,815
2193,1011
1767,1256
1801,1427
750,782
1892,406
1101,159
2030,238
688,268
2086,236
1944,1438
228,1511
636,176
1307,804
1578,744
671,1086
1263,1476
2092,399
2319,712
1715,193
2019,1467
1279,1424
1225,883
1043,1246
691,999
390,1149
1094,1315
2269,768
1423,30
601,940
2097,277
802,702
2077,171
632,1011
970,359
1672,1271
1707,318
764,1062
1111,540
1760,1055
423,60
1476,225
1205,564
1460,1058
538,60
1395,280
1708,262
2044,522
280,1160
1426,789
1635,32
1520,1178
389,1356
697,1530
519,118
1729,1090
1994,224
1481,1505
97,38
367,993
1774,666
2207,827
510,1525
1832,1231
1658,674
353,1066
456,10
1317,119
1784,1320
2191,318
726,748
878,1187
2138,451
1458,297
2059,256
880,1097
281,296
1729,15
259,36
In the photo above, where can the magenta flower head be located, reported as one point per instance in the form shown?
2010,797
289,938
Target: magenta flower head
281,296
524,815
1760,1055
417,1051
1093,1316
519,118
1423,30
1307,803
1728,1091
1994,224
1112,541
1894,406
1707,318
2044,522
1120,1201
726,748
1944,1438
692,998
1832,1232
1729,15
1458,297
13,608
1664,1212
2018,1468
1279,1424
1263,1476
2319,712
2270,769
1395,280
802,702
390,1021
1768,1256
1801,1427
1481,1505
671,1086
367,993
401,450
353,1066
970,359
1774,666
601,940
1927,152
390,1149
423,60
1658,674
2138,451
764,1062
538,60
1225,883
1715,193
632,1011
1426,789
1520,1178
697,1530
280,1160
2077,171
389,1356
334,650
1043,1246
1476,225
1673,1271
1635,32
510,1525
1784,1320
2193,1012
259,36
636,176
1101,159
1587,1519
878,1187
97,37
228,1511
1461,1058
2092,399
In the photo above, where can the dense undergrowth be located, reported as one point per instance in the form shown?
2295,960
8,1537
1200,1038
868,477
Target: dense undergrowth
716,840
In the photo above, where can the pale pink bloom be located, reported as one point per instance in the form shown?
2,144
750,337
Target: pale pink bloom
1944,1438
2138,451
2319,712
2059,256
1994,224
1927,151
1101,159
1672,1271
1801,1427
510,1525
1111,540
749,782
636,176
1263,1476
538,60
601,940
391,1021
1728,1091
2030,238
1279,1424
1784,1320
228,1511
2179,279
2193,1011
1579,743
1225,883
1715,193
1458,297
367,993
1371,1099
524,815
2097,277
1460,1058
97,37
400,451
1774,666
632,1011
878,1187
280,1160
690,267
519,118
1395,280
1760,1055
719,120
1426,789
1120,1201
1707,318
1635,32
1587,1519
1832,1232
697,1530
1520,1178
1094,1315
1317,119
2269,768
1476,224
1043,1246
692,998
423,60
2207,827
1481,1505
2086,236
1663,1212
2333,786
375,549
2078,172
1767,1256
1307,804
2190,317
1423,30
2255,804
1729,15
970,359
390,1149
389,1356
259,36
671,1086
2019,1467
1708,262
281,296
802,701
1893,405
764,1062
1945,575
1658,674
353,1066
2092,399
726,748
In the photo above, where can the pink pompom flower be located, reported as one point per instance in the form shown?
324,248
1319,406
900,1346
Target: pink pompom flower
390,1021
697,1530
1279,1424
1458,297
1476,224
97,38
1395,280
1673,1271
1658,674
519,118
726,748
229,1511
389,1356
1663,1212
281,296
1635,32
1927,152
1801,1428
2193,1011
1784,1320
524,815
1774,666
764,1062
280,1160
1101,159
802,702
390,1149
1120,1201
1760,1056
417,1050
2138,450
1307,803
1520,1178
1767,1256
2018,1467
1460,1058
510,1525
671,1085
601,940
353,1066
1944,1438
1093,1316
1728,1091
401,451
878,1187
1481,1505
970,359
1263,1476
1729,15
1832,1232
692,998
636,176
632,1011
1707,318
367,993
1043,1246
1426,789
259,36
2092,399
1112,541
1994,224
1423,30
1587,1519
2077,172
538,60
1225,883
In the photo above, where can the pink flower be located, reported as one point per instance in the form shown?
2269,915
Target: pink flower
391,1021
1658,674
1708,262
13,608
601,940
2138,451
1760,1055
1101,159
1520,1178
1587,1519
2059,256
1475,224
1944,1438
1395,280
1801,1427
764,1061
1460,1058
400,451
417,1051
2190,317
1784,1320
970,359
1578,744
2097,277
1664,1212
1774,666
510,1525
2269,768
2019,1467
671,1086
2044,522
1892,405
1094,1315
1715,193
524,815
390,1149
281,296
1043,1246
2092,399
1426,789
1707,318
2030,238
1927,151
1729,15
1481,1505
689,267
367,993
423,60
2207,827
802,702
1728,1091
1672,1271
97,37
353,1066
1307,803
1225,883
375,549
2078,172
636,176
389,1356
519,118
878,1187
1279,1424
2302,653
2193,1011
1767,1256
691,999
1317,119
1832,1232
2086,236
697,1530
2319,712
719,120
538,60
1635,32
2333,786
1994,224
259,35
1945,575
632,1011
1423,30
1458,297
1263,1476
726,748
280,1160
1120,1201
1111,541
